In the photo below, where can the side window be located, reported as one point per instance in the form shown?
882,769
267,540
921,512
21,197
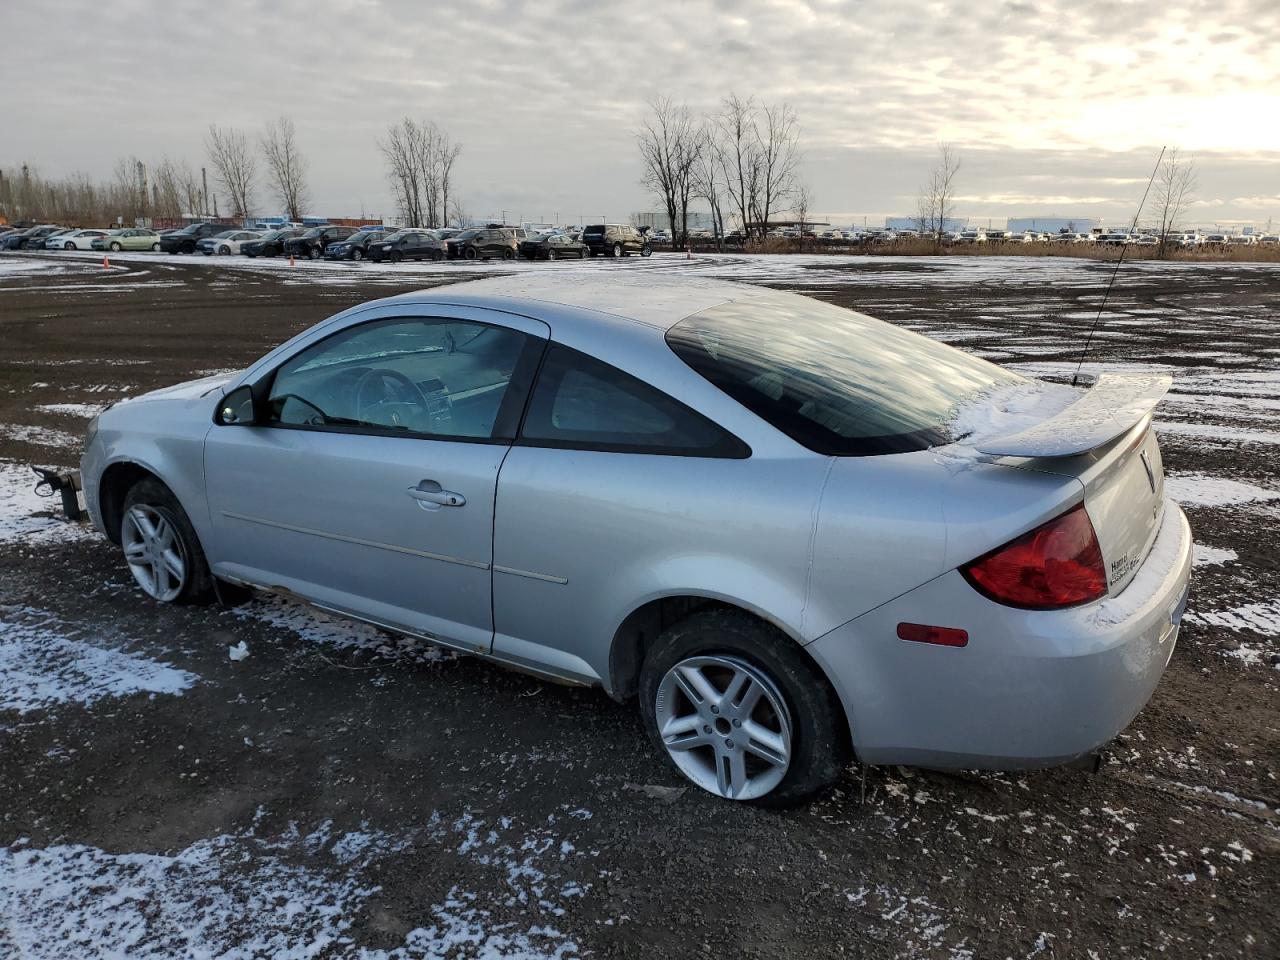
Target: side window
432,377
583,403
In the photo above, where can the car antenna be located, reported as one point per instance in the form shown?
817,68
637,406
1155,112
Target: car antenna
1084,352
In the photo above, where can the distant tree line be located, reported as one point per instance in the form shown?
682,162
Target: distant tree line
742,160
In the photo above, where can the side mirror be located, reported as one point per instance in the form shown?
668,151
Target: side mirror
236,408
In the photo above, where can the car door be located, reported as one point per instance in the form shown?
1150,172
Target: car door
368,484
611,486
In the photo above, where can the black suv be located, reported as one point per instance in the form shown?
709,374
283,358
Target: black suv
486,242
314,242
407,245
270,244
185,240
615,240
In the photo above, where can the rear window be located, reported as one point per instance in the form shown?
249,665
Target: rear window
841,383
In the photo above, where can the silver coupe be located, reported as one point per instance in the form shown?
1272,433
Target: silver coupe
798,535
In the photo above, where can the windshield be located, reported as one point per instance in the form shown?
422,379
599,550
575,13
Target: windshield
224,233
841,383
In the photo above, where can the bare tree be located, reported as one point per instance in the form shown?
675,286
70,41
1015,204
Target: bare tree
708,182
1176,181
286,166
777,130
936,202
801,202
420,159
235,166
670,143
737,156
167,190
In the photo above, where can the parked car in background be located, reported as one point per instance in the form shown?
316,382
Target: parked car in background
615,240
356,246
553,246
226,243
1269,239
132,238
1215,240
486,243
42,243
73,240
19,240
270,244
971,236
185,240
416,244
313,243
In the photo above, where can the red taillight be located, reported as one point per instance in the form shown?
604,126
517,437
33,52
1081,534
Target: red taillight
1058,564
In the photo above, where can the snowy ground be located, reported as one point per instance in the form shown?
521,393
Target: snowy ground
343,793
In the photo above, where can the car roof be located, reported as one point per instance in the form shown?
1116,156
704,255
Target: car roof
659,302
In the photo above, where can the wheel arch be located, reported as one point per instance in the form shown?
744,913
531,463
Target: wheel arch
114,485
641,627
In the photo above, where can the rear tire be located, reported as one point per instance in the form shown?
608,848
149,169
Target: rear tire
810,724
315,253
508,253
161,547
616,251
155,248
551,255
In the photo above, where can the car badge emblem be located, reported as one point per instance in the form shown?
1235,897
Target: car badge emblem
1146,465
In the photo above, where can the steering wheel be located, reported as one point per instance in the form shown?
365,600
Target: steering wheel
391,382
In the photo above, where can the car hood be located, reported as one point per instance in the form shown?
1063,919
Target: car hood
190,390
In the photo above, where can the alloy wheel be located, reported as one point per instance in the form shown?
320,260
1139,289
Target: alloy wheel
725,725
154,551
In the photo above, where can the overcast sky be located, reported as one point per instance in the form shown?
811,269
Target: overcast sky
1056,107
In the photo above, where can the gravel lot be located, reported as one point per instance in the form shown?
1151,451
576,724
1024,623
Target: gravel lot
343,793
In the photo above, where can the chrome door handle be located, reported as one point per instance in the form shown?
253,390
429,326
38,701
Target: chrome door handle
428,492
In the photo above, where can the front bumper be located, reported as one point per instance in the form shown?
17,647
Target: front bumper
1031,688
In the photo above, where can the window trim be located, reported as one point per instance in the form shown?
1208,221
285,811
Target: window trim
730,447
506,422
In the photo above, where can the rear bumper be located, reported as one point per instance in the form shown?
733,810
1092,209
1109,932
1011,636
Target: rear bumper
1031,688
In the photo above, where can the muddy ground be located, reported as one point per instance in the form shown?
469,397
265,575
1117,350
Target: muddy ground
341,790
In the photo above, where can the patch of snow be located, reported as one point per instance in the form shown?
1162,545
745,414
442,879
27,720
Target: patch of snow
86,410
1006,410
1201,490
288,897
41,667
1261,618
41,436
323,629
1205,556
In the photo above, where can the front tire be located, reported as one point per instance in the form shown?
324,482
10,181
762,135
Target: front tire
68,246
115,248
508,254
315,253
470,253
357,253
224,251
646,250
551,255
161,547
155,248
742,711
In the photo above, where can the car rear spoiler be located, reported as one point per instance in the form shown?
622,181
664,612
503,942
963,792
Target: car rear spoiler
1114,404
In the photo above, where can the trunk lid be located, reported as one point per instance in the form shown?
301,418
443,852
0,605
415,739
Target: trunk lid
1101,437
1123,495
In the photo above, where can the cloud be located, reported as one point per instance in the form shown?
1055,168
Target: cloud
545,96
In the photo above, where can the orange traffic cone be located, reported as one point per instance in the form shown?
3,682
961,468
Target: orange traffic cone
291,259
106,264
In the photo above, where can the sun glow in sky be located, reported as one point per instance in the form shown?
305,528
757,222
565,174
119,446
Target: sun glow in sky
1057,106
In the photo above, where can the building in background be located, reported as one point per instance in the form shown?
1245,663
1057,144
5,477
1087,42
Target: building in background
949,224
1053,224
